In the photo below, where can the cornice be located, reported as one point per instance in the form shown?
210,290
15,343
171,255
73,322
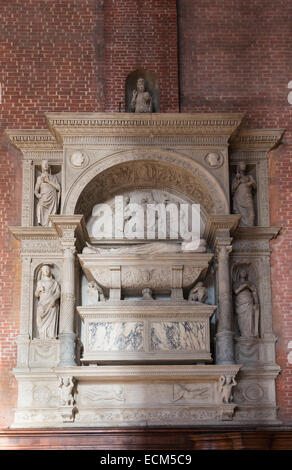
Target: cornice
33,233
126,125
148,373
256,139
256,233
33,140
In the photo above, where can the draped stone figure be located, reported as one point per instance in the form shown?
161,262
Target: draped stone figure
246,306
47,191
141,99
242,190
48,293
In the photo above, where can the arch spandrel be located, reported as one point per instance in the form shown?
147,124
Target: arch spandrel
145,169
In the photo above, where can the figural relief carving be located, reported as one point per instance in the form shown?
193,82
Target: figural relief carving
243,186
198,293
47,191
225,386
48,293
94,293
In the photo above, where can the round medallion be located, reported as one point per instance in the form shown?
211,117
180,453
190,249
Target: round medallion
254,392
41,395
214,159
79,159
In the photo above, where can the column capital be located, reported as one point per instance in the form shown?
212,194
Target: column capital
71,230
219,228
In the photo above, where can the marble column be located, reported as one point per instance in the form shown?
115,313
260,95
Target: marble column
67,317
72,232
218,231
224,336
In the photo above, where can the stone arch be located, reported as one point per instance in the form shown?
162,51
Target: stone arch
144,169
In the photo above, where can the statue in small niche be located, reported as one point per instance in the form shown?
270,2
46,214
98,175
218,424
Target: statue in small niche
48,293
47,191
243,186
141,99
246,306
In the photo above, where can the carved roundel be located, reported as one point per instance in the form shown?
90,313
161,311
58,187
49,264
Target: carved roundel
78,159
41,395
214,159
254,392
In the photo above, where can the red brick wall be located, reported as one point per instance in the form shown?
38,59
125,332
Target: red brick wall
51,60
141,35
236,55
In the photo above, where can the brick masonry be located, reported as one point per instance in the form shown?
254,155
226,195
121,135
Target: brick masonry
73,55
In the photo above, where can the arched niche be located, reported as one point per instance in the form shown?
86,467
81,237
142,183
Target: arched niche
151,85
159,169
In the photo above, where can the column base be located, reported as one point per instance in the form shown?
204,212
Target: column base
224,348
67,350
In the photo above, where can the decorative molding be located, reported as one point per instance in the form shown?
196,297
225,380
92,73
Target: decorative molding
220,227
33,140
127,125
256,139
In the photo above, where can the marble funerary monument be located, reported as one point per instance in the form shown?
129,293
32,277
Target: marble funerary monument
138,332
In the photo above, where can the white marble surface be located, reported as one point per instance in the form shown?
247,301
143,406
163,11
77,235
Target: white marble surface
187,335
116,336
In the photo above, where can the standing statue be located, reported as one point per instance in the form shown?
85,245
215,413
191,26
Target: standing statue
141,99
48,292
246,306
47,191
198,293
242,191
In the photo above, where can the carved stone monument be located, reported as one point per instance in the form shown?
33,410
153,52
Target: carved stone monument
119,331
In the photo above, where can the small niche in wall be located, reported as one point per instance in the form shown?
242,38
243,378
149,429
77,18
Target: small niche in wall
151,87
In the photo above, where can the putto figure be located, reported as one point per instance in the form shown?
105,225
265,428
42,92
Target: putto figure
242,190
48,292
225,386
198,293
246,306
141,99
47,191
